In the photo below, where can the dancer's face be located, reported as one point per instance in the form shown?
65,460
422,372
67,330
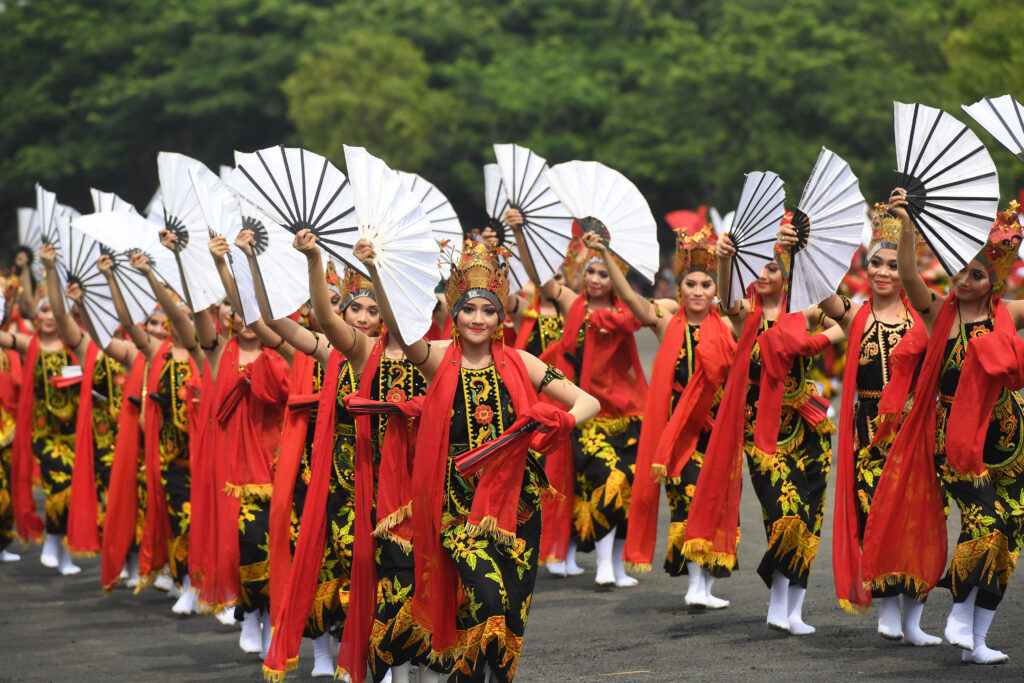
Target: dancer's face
157,326
45,320
364,315
696,291
335,302
477,320
597,281
883,275
769,281
972,284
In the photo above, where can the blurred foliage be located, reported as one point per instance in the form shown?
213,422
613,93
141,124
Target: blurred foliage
683,96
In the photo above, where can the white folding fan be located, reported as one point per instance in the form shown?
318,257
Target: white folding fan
444,222
754,229
951,182
223,218
183,217
1003,118
109,201
547,224
300,190
496,203
391,218
282,268
49,213
78,265
828,221
125,233
604,201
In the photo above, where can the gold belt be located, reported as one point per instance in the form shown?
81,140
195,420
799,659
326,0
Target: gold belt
869,394
945,398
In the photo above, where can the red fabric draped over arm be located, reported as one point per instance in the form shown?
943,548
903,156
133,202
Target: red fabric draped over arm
123,494
153,551
29,525
83,510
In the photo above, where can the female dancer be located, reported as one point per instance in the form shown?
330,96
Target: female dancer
99,404
768,382
598,335
481,529
908,499
874,330
170,416
692,363
126,502
293,472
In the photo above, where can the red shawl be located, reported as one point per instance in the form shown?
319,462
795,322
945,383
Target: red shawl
667,440
853,596
495,501
993,361
780,346
355,639
202,440
156,534
712,528
29,526
83,511
123,494
529,322
302,579
905,538
289,459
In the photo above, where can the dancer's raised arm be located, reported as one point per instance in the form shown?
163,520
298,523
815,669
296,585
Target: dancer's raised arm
921,297
142,340
355,345
563,296
180,322
73,335
641,308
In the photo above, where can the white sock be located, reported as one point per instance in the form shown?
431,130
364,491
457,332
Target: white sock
133,570
227,616
889,618
8,556
186,603
556,568
251,640
400,673
960,622
164,581
323,663
778,607
711,601
982,653
428,675
622,579
603,549
912,633
66,565
571,568
50,556
695,590
797,626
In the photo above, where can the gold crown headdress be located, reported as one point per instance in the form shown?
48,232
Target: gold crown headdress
354,286
885,230
695,250
480,272
1000,252
333,281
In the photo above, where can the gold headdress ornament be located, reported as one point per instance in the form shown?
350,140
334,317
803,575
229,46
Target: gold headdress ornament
1000,252
333,281
885,230
480,272
695,250
353,286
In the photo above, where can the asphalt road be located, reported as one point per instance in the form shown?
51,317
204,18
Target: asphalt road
63,629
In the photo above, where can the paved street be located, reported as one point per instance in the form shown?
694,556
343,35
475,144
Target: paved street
64,629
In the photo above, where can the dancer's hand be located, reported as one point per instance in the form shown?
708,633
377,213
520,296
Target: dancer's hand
364,251
305,241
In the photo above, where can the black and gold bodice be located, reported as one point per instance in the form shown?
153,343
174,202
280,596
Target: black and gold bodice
876,343
1004,439
396,381
795,379
547,329
482,409
344,429
108,378
51,402
174,399
685,362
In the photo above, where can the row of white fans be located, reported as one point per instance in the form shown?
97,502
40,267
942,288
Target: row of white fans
276,192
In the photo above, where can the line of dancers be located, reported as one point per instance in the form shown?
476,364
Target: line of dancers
318,476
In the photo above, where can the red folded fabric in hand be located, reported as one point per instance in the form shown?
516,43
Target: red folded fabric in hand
555,417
